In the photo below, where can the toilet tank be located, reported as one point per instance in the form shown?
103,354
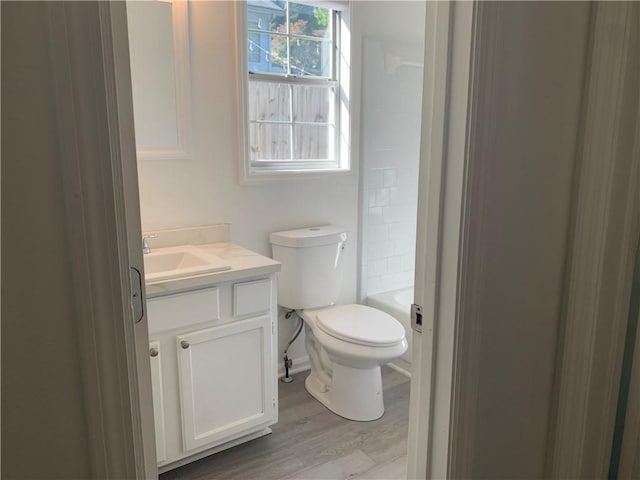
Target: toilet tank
312,265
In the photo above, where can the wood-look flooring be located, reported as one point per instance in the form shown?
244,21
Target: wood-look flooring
310,442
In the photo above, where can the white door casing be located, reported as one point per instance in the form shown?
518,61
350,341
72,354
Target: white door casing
447,83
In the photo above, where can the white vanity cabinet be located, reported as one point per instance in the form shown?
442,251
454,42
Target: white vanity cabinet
214,367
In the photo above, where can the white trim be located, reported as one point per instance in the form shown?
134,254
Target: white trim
479,37
441,193
300,364
182,62
399,369
472,261
607,224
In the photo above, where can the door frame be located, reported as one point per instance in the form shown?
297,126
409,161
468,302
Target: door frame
90,68
103,209
439,420
448,274
602,249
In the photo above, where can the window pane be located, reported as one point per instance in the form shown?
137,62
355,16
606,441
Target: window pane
255,52
269,142
313,143
267,53
312,104
267,15
309,20
310,57
269,101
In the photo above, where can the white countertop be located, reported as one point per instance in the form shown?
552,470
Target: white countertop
244,264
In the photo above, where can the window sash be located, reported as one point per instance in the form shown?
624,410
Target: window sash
292,79
269,166
266,166
332,41
303,164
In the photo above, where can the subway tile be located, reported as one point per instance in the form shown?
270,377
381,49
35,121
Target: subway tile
379,267
371,196
389,179
407,262
376,215
376,179
382,197
394,264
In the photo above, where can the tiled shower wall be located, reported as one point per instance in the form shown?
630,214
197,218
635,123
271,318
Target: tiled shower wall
390,133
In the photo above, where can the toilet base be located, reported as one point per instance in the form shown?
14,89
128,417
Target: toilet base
354,393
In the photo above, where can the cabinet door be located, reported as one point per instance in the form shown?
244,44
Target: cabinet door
226,381
158,400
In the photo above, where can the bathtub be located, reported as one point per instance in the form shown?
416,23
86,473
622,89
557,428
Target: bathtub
398,304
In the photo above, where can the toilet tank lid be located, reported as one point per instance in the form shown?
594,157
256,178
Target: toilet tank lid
310,236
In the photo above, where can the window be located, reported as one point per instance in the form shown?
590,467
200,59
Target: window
294,100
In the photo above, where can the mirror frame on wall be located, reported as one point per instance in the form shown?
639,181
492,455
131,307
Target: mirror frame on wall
182,62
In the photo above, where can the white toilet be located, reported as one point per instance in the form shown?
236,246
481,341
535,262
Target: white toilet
346,344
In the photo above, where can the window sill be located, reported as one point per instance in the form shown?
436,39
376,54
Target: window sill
284,175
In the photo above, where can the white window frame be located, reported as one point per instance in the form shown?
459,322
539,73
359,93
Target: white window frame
341,65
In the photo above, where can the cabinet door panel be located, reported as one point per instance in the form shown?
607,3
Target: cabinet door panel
158,400
225,380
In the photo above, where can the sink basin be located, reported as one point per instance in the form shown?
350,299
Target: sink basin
184,261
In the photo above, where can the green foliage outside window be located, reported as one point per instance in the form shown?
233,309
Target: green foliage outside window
307,56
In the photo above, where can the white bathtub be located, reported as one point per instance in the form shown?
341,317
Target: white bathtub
398,304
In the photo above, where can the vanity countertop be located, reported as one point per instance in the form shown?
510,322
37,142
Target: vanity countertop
244,264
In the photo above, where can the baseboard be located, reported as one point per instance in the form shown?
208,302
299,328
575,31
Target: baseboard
300,364
401,366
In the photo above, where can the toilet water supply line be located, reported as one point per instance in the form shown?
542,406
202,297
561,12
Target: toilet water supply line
288,363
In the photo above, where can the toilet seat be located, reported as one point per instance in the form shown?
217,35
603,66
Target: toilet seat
366,326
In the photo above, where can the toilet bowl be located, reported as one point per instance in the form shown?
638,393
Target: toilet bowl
346,344
356,340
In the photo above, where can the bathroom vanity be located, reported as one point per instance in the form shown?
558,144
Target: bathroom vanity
213,356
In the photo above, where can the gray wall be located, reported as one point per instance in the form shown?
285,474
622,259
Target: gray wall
43,420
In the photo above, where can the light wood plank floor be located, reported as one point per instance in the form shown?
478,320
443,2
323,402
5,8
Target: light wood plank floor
310,442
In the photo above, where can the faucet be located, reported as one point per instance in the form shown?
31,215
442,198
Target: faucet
145,244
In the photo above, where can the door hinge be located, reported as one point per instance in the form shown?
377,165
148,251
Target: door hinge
416,317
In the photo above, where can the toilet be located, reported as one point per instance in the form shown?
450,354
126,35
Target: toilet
346,344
